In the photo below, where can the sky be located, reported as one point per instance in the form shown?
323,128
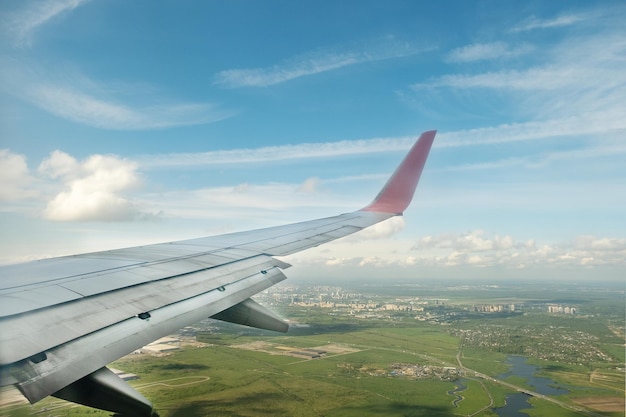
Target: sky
128,123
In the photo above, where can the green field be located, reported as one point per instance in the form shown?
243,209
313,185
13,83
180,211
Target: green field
247,373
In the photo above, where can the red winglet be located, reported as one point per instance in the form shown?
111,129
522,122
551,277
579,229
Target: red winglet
398,192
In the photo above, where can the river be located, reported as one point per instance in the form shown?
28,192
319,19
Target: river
460,386
519,401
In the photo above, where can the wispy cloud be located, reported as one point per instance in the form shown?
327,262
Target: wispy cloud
591,124
21,25
311,63
579,75
84,108
487,51
278,153
593,151
69,94
80,99
533,22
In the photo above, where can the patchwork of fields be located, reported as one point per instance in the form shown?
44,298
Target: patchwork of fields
342,366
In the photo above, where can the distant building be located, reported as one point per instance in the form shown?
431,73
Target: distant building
160,348
163,345
306,353
124,375
491,308
555,309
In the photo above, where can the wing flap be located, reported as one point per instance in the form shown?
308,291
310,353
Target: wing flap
252,314
104,390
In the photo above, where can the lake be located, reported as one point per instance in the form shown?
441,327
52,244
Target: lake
519,401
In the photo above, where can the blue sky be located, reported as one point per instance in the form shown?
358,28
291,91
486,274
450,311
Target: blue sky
126,123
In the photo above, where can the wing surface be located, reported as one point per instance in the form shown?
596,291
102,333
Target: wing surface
62,320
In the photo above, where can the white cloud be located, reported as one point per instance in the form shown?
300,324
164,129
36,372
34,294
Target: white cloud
66,93
249,205
279,153
59,164
474,241
382,230
15,178
545,78
592,151
533,22
487,51
477,248
375,261
579,77
73,96
592,243
473,250
263,77
332,261
321,60
82,107
21,25
595,123
310,185
93,188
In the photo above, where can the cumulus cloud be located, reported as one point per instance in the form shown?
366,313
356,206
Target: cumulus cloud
15,178
475,241
592,243
381,230
333,261
476,252
477,248
93,189
59,164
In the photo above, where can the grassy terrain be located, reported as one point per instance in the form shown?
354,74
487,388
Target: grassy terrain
225,379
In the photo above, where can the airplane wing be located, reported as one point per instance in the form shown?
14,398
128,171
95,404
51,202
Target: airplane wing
62,320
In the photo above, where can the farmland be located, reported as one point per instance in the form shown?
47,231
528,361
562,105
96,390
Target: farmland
393,362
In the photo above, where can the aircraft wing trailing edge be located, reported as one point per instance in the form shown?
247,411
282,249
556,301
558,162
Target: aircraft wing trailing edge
62,320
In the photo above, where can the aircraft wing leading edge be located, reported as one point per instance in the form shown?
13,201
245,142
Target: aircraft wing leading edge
62,320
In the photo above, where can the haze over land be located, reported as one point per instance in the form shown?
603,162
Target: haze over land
130,123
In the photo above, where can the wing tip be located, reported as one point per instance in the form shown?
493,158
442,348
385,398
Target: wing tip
398,192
